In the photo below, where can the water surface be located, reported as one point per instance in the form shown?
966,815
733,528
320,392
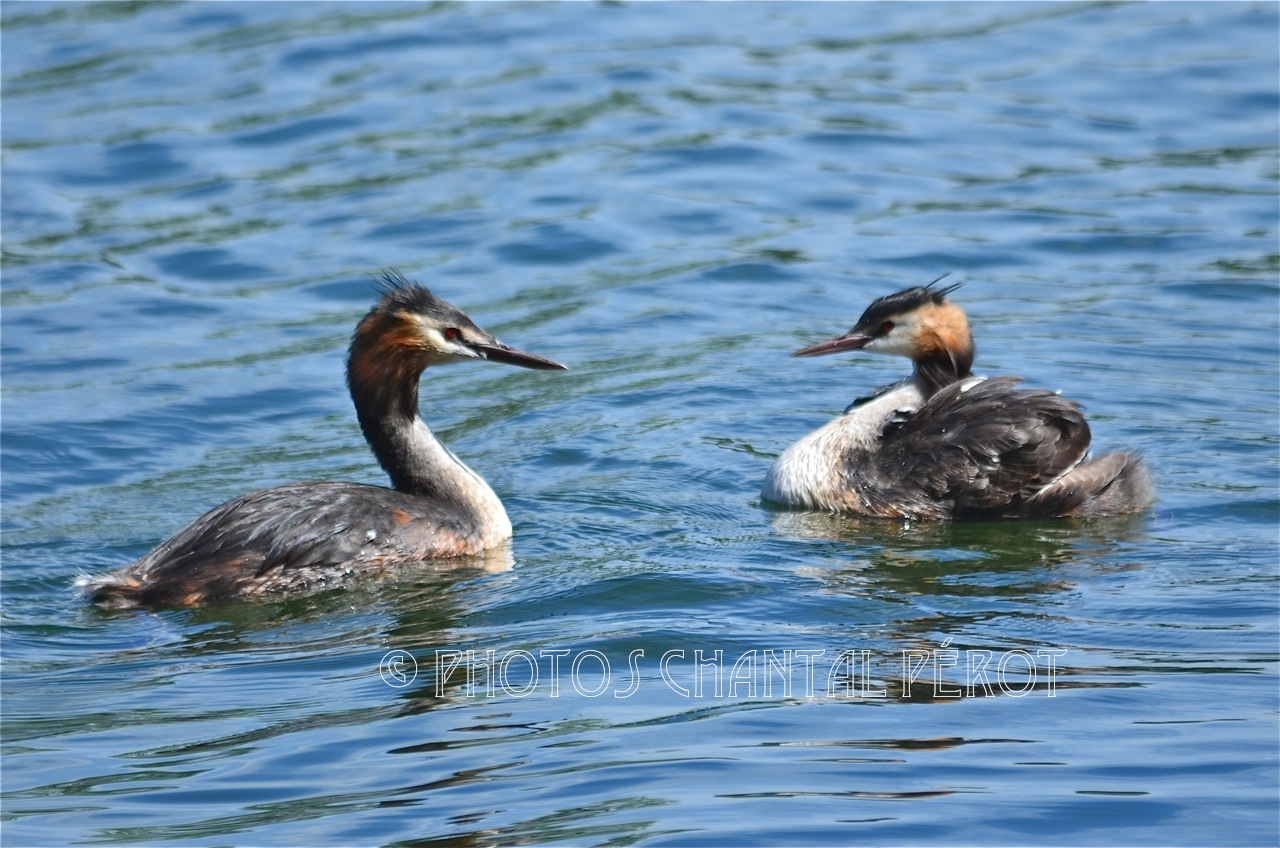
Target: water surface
669,198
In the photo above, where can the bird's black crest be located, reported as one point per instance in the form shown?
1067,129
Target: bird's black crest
399,293
905,301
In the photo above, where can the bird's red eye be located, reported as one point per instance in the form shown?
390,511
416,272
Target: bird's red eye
452,334
886,327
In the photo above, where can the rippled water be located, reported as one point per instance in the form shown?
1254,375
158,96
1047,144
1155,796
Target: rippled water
669,198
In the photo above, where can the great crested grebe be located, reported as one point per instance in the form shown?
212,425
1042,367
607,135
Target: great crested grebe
943,444
302,534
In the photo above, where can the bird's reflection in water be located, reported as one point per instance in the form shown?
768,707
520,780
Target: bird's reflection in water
918,558
926,584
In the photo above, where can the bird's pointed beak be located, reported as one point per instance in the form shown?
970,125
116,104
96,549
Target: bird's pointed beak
849,341
498,352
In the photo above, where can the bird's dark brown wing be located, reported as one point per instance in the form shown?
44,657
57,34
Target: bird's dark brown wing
294,535
976,452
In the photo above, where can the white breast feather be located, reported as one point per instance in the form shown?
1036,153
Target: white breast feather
809,473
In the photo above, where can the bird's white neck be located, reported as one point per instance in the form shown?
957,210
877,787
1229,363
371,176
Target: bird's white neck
424,466
384,388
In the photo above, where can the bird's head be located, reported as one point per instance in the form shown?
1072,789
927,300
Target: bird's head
918,323
411,325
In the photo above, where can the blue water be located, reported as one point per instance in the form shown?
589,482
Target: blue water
669,198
